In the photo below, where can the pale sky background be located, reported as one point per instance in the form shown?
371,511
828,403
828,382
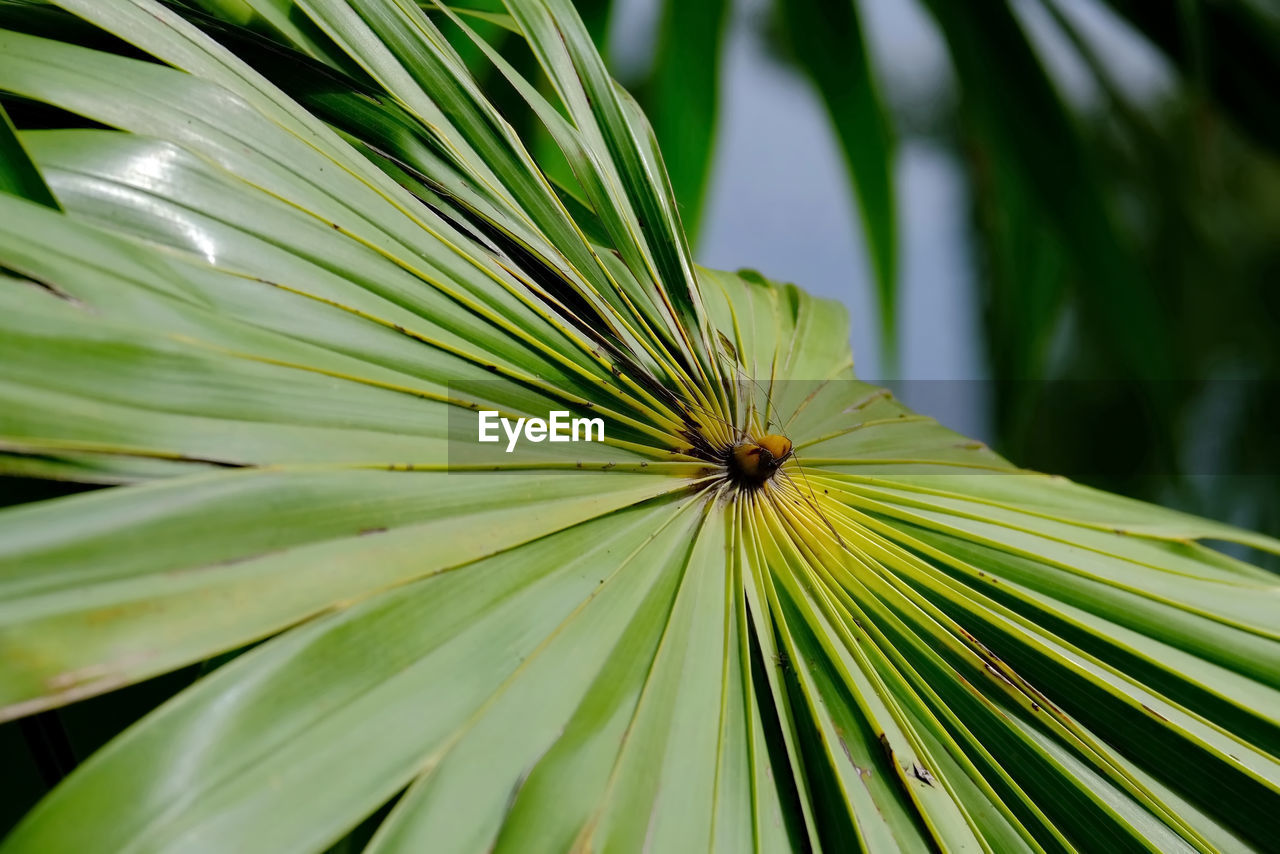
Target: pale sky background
780,202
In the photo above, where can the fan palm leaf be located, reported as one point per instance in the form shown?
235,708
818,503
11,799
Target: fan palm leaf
264,292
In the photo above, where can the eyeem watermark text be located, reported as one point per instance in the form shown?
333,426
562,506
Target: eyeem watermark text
558,428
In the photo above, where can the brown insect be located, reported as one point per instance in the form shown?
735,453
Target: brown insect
752,461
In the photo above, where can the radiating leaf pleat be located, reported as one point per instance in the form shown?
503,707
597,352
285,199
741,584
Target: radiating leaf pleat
89,606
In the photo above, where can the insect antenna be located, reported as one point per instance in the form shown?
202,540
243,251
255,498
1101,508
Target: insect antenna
811,499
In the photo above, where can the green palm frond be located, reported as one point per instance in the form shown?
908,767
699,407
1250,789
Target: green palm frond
294,245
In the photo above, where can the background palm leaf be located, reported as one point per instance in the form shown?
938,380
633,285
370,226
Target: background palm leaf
288,259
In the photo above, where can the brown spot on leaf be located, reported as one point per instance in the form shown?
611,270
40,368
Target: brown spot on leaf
884,745
1154,713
